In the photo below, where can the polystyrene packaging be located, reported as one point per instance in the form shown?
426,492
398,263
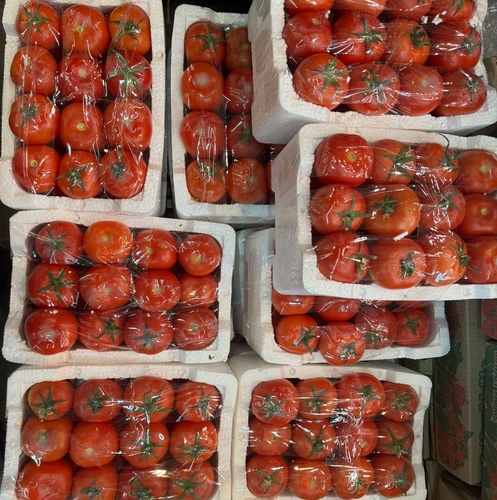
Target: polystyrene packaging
139,301
123,412
263,457
100,144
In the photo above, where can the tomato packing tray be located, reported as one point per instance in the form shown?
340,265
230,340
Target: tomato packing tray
151,200
259,330
250,370
295,263
278,112
185,206
15,348
218,375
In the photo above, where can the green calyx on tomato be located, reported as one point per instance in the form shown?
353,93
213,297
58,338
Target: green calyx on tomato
150,404
187,486
110,328
469,45
316,402
386,205
350,215
411,323
130,28
408,266
48,405
373,338
147,447
96,401
307,336
419,38
56,284
472,84
318,444
74,177
268,479
362,263
205,405
35,19
401,480
367,393
272,407
331,74
401,402
462,257
148,339
347,351
194,451
398,446
126,73
28,112
399,162
449,158
375,85
369,36
55,243
210,41
210,170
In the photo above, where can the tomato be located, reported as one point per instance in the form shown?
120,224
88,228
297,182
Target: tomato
421,90
397,264
406,43
351,478
313,439
84,29
59,242
371,7
238,48
483,264
122,173
455,45
266,476
318,398
199,254
193,442
81,127
156,290
309,479
393,476
341,343
50,400
148,332
293,7
477,171
291,304
246,181
34,119
394,438
401,401
33,70
202,86
268,439
360,395
198,291
413,327
127,74
449,10
464,92
197,401
97,399
436,163
93,444
195,329
78,175
99,482
45,440
342,256
297,334
240,141
108,242
394,162
128,124
356,437
335,308
239,90
148,398
275,402
155,249
321,79
44,481
129,28
378,325
190,482
35,168
447,257
101,330
37,23
306,33
343,159
204,42
206,181
135,484
407,9
106,287
143,444
202,134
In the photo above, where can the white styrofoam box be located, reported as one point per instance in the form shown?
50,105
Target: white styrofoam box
185,206
278,112
295,265
151,201
259,331
15,348
250,370
23,378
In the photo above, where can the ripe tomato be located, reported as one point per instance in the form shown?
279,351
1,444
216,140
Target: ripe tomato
37,23
59,242
268,439
240,141
238,48
313,439
291,304
393,476
482,251
394,438
436,164
34,119
133,483
93,444
373,7
44,481
321,79
318,398
106,287
108,242
204,42
360,395
84,29
35,168
246,181
356,437
199,254
101,330
343,159
297,334
351,478
202,86
98,400
477,171
143,444
206,181
195,329
193,442
198,291
407,9
51,330
81,127
129,28
401,401
335,308
197,401
45,440
188,481
341,343
156,290
309,479
95,481
266,476
293,7
407,42
155,249
239,90
78,175
378,325
394,162
413,327
202,134
50,400
447,10
148,332
275,402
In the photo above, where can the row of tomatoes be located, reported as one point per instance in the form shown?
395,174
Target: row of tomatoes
319,436
100,437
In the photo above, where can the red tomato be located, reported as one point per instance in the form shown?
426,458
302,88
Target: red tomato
291,304
360,395
197,401
35,168
407,42
394,162
37,23
193,442
238,48
318,398
78,175
202,134
313,439
59,242
93,444
480,218
407,9
321,79
309,479
293,7
393,476
148,332
246,181
129,28
156,290
97,399
239,90
199,254
34,119
206,181
266,476
143,444
50,400
413,327
195,329
351,478
84,29
133,483
477,171
341,343
436,163
356,437
482,251
297,334
155,249
95,481
202,86
401,401
268,439
240,141
198,291
108,242
447,10
51,330
81,127
188,481
372,7
394,438
101,330
335,308
275,402
204,42
378,325
343,159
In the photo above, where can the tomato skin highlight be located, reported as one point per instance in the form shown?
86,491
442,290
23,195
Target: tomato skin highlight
483,264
